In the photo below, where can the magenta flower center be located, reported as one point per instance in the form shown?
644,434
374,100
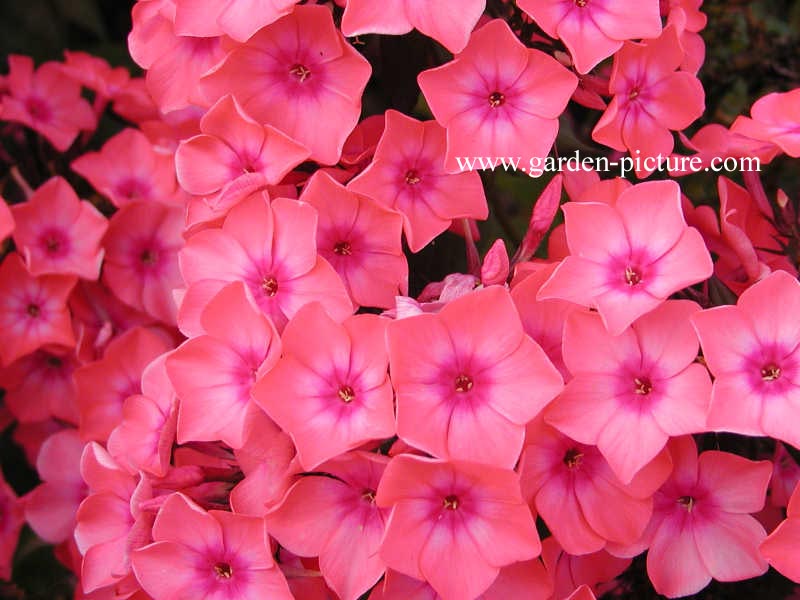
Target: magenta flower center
223,570
642,386
368,496
54,362
148,257
301,72
634,93
632,276
686,502
346,394
464,383
581,3
343,249
573,458
270,286
132,188
412,177
38,109
34,310
496,99
771,372
54,242
450,502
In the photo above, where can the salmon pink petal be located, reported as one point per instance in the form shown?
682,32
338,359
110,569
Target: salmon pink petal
729,546
674,563
739,484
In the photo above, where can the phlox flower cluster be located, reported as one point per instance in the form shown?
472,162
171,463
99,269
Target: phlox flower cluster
232,385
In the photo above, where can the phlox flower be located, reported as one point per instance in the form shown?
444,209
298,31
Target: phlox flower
95,74
780,548
497,97
774,118
143,175
359,148
51,506
361,241
454,524
336,518
299,75
104,385
408,176
46,101
701,528
631,392
6,220
577,494
234,150
459,378
214,555
593,30
651,97
785,476
141,265
33,311
143,439
214,373
753,351
627,258
332,396
449,22
568,572
58,233
11,522
271,248
239,19
714,140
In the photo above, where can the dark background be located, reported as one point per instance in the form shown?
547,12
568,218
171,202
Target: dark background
753,48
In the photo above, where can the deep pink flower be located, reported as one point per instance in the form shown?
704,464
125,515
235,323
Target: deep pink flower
716,141
299,75
633,391
334,395
46,101
628,258
11,521
579,497
596,571
407,175
497,97
701,528
594,29
271,248
141,265
454,524
104,385
239,19
752,350
33,310
145,175
58,233
780,548
361,241
336,519
234,150
95,74
651,97
776,119
6,220
214,373
215,555
449,22
459,379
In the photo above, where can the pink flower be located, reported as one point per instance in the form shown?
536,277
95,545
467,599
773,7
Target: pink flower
579,497
299,75
272,249
145,175
776,119
33,311
239,19
628,258
104,385
50,507
336,519
780,548
234,150
95,74
332,396
454,524
593,30
46,101
701,528
407,175
141,265
459,379
497,97
568,572
752,351
785,476
6,220
633,391
58,233
449,22
11,522
650,99
361,241
214,373
215,555
714,140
